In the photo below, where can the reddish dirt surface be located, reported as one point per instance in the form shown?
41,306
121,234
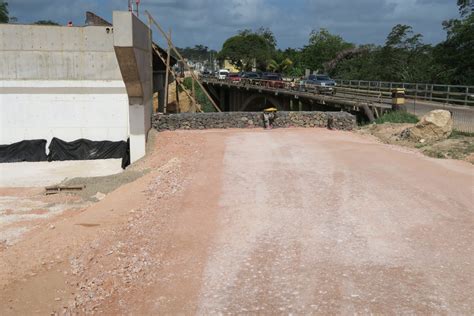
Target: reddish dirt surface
288,221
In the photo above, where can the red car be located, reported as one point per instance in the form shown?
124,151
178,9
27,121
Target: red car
273,80
234,77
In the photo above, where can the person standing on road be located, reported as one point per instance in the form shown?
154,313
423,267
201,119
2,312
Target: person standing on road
269,116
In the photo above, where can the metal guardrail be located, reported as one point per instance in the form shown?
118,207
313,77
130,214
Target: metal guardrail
452,94
296,86
306,90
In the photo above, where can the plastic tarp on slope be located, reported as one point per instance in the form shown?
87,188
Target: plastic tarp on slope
26,150
84,149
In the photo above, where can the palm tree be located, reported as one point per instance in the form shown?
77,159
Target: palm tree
281,67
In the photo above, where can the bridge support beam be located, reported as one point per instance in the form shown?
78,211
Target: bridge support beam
368,112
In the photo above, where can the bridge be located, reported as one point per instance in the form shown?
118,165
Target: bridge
368,99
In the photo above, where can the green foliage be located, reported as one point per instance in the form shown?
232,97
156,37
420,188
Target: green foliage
280,67
397,117
201,98
465,6
323,46
295,69
198,53
404,57
459,134
248,48
46,22
456,54
4,12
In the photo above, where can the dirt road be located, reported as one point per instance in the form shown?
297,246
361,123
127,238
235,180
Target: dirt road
288,221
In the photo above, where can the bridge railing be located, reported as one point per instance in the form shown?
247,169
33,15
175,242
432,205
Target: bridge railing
452,94
300,87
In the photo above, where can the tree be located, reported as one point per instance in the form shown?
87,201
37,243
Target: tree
465,7
404,57
4,12
45,22
198,53
456,53
344,55
362,66
322,47
296,69
264,32
280,67
248,48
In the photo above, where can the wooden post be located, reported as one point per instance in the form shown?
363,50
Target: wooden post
177,94
150,38
167,74
176,76
182,59
465,97
193,92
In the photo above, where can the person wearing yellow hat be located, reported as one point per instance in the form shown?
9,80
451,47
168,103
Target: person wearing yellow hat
269,115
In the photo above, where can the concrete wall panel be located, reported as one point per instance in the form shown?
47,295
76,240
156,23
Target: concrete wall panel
15,37
97,116
57,53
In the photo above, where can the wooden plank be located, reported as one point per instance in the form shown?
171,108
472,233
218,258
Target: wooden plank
182,59
177,79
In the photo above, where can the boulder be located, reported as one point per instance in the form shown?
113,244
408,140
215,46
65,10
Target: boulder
433,126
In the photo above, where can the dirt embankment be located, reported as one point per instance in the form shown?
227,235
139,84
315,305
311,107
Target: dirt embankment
185,103
458,146
101,257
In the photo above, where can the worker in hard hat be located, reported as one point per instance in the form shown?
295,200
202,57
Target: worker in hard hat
269,116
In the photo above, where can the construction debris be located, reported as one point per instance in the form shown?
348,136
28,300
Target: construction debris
63,188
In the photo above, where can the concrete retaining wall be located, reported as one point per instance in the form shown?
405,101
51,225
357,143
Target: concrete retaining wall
335,120
63,82
67,109
66,82
46,52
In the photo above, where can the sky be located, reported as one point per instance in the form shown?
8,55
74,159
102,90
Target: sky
211,22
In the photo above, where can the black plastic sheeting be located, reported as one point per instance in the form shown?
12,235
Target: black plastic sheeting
84,149
59,150
26,150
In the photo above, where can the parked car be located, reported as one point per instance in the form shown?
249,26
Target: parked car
234,76
321,83
250,77
273,80
222,74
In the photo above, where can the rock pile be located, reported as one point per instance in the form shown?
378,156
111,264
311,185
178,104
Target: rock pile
333,120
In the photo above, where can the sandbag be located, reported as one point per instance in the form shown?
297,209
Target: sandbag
84,149
26,150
